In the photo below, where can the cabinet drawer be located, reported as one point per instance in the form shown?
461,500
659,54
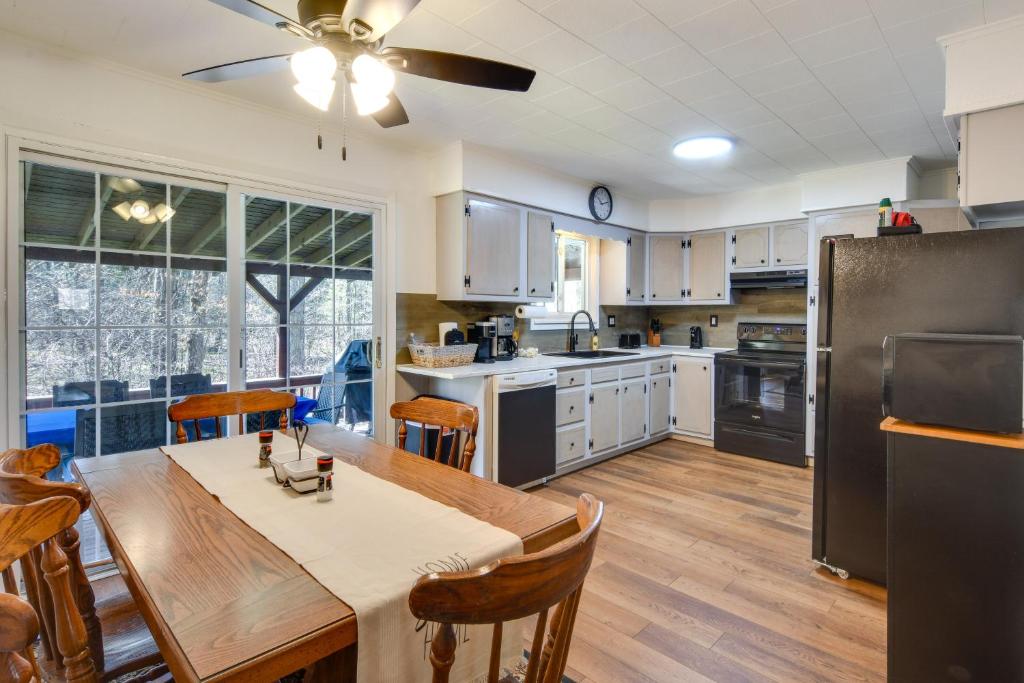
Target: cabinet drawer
569,406
633,370
569,445
572,378
659,366
598,375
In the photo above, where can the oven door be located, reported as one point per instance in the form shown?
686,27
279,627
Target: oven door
760,392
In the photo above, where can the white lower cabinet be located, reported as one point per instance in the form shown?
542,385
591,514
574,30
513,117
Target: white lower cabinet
661,404
692,398
604,417
633,410
570,444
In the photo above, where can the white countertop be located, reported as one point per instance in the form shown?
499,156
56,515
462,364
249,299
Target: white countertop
543,362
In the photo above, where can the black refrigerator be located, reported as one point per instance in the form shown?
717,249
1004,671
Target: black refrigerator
955,282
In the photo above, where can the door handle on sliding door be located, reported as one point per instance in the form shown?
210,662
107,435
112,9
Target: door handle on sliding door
377,354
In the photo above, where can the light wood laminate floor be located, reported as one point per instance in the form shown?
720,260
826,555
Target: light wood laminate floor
703,572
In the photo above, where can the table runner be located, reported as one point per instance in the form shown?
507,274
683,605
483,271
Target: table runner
367,546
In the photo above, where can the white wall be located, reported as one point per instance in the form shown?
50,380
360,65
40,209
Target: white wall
489,172
46,90
776,203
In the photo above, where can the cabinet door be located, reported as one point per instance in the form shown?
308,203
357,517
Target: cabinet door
540,256
790,243
634,410
635,248
604,417
693,395
751,248
667,277
661,405
707,266
493,239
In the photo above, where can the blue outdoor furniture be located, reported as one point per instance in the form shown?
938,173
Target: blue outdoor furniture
347,392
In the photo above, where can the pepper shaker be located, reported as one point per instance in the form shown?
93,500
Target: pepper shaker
266,437
325,483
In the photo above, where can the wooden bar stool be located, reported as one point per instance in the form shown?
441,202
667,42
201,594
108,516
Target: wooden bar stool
514,588
202,406
449,417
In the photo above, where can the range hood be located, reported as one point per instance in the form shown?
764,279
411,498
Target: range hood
769,279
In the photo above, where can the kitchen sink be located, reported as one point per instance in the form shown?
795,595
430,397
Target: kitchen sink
592,354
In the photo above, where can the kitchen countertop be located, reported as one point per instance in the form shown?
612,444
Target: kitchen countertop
543,362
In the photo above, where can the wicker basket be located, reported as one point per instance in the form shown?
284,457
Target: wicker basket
434,356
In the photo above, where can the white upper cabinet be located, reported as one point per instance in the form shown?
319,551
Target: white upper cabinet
492,249
750,247
707,267
540,256
789,244
636,262
667,269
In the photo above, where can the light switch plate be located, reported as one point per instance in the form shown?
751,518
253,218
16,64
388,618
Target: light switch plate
611,321
714,320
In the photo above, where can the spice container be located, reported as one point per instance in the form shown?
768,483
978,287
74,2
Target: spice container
325,483
266,437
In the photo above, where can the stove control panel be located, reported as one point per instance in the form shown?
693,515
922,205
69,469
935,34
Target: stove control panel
772,332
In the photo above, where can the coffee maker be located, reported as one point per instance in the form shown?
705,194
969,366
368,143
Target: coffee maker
483,335
504,345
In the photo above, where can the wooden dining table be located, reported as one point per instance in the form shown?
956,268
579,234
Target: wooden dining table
225,604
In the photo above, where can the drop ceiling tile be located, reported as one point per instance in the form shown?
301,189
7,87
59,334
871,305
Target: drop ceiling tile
876,67
681,61
691,128
744,118
508,24
510,107
665,112
836,124
923,32
802,18
855,154
802,158
569,102
707,84
637,40
430,32
776,77
631,94
769,5
912,140
544,122
725,25
453,11
713,107
594,18
997,10
925,70
558,51
811,111
598,74
653,142
753,54
602,118
908,118
539,5
544,84
771,136
794,96
840,42
890,12
673,12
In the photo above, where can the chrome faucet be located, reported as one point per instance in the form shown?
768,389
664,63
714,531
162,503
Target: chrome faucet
572,328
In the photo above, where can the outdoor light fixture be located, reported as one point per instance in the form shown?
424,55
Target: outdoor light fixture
141,211
702,147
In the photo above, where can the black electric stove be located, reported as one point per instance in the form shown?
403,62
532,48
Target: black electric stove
759,393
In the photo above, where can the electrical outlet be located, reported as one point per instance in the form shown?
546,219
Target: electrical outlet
714,320
611,321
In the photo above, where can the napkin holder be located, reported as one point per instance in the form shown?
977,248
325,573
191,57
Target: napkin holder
301,475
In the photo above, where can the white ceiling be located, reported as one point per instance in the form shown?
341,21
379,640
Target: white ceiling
801,84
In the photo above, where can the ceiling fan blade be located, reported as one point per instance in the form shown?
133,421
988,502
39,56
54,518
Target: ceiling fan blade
446,66
243,69
255,10
391,115
379,15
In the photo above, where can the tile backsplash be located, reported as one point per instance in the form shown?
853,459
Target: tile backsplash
420,314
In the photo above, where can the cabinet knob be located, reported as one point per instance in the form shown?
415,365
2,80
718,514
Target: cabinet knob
572,408
515,289
719,295
572,444
533,290
778,260
762,260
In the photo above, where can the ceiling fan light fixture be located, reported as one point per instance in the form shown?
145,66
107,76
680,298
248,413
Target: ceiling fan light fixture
318,94
139,209
367,100
124,210
315,65
704,147
373,75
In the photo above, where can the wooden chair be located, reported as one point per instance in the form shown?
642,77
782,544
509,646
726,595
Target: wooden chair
240,403
117,637
514,588
446,415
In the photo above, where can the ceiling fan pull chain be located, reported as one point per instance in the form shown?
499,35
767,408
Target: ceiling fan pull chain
319,132
344,123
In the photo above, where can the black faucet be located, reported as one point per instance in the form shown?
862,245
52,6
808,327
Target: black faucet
572,328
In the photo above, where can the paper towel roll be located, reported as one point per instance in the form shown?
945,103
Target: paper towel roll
528,312
442,328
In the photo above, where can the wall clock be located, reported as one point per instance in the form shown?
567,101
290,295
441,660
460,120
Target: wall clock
600,203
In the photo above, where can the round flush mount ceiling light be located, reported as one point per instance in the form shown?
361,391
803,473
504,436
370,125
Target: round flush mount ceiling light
702,147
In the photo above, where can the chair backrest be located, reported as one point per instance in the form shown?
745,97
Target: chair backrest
35,533
22,484
181,385
436,412
240,403
513,588
79,393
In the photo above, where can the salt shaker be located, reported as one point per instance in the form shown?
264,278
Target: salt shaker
325,483
266,437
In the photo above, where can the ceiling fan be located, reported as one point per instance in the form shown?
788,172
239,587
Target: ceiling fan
349,35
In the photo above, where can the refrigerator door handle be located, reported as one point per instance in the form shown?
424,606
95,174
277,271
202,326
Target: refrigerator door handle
887,365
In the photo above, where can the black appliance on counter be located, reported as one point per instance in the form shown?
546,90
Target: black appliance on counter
484,335
967,282
696,337
759,393
967,381
629,340
768,279
504,345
